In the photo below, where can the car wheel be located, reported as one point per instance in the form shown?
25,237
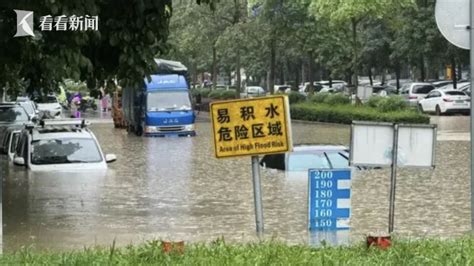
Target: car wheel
438,110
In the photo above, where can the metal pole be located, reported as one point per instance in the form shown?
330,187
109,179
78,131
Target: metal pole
393,180
471,28
257,194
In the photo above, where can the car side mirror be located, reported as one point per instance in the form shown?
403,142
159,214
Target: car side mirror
20,161
110,158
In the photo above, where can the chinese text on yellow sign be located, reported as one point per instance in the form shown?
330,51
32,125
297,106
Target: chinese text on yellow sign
251,126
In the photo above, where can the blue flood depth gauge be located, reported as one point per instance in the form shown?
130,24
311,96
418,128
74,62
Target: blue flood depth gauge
329,199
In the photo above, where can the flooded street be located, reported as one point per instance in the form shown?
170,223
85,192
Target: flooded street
174,188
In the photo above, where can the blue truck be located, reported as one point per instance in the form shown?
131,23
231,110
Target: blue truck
163,106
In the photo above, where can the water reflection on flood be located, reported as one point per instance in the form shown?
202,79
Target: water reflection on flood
174,188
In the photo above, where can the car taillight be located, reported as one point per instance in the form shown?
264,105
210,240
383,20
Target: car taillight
412,97
447,100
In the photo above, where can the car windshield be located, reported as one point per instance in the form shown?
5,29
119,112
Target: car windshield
62,151
168,100
422,89
305,161
12,114
28,107
455,93
47,99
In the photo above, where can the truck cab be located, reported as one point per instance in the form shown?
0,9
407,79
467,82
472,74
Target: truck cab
162,105
168,106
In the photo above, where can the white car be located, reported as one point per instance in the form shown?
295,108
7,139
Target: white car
446,101
60,145
50,106
415,92
253,91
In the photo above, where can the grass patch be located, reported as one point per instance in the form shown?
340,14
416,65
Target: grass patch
345,114
422,252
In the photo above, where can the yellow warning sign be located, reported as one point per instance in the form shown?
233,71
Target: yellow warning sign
251,126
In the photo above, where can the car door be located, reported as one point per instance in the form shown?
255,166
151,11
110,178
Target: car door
426,103
433,100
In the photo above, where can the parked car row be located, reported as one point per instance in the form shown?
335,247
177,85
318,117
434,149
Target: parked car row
54,145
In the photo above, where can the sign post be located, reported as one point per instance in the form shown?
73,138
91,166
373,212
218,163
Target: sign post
455,20
471,30
393,181
252,127
257,194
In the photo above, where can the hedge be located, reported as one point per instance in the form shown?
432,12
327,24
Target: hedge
222,94
387,104
345,114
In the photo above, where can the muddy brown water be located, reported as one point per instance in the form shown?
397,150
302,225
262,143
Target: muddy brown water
173,188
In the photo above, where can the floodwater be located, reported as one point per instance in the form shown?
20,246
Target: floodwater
173,188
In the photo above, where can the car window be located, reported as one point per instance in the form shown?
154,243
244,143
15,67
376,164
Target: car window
274,161
28,107
67,150
422,89
337,160
305,161
455,93
48,99
434,94
12,114
14,142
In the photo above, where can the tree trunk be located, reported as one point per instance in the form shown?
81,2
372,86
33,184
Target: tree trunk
214,66
356,53
237,73
453,72
422,68
370,77
297,76
311,74
397,75
194,76
459,72
271,79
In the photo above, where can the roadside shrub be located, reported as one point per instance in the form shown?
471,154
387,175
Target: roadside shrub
222,94
319,97
215,94
387,104
392,103
227,94
345,114
337,99
205,92
374,101
296,97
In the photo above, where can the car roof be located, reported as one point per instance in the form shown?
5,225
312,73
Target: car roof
420,83
447,90
322,148
58,132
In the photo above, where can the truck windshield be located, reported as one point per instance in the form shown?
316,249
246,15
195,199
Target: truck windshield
168,100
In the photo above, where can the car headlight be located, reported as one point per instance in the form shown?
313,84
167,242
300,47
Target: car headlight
149,129
58,107
189,127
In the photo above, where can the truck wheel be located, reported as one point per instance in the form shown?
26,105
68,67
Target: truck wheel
139,131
